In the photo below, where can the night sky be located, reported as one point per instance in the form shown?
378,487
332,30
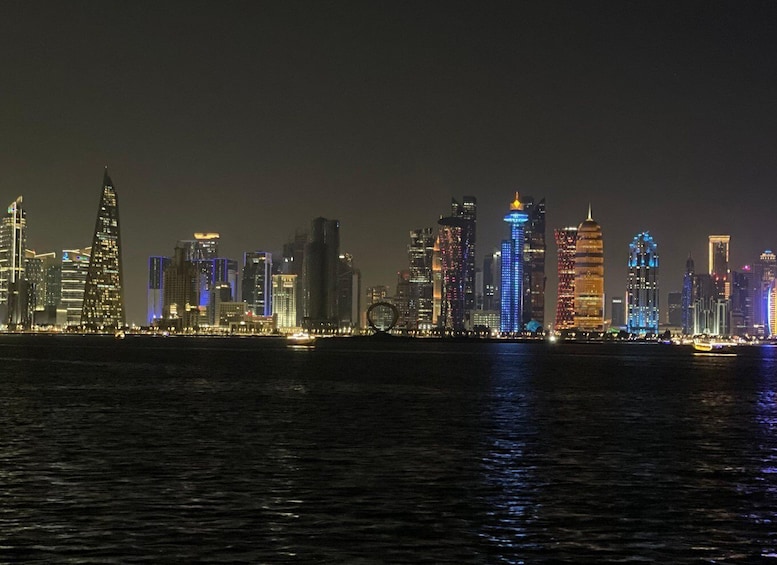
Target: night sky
252,118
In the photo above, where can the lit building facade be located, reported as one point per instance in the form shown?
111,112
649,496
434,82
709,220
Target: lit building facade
718,249
642,286
512,284
764,272
180,305
566,242
257,282
75,265
589,276
156,285
103,306
420,253
534,262
771,308
349,281
456,241
284,301
687,298
15,297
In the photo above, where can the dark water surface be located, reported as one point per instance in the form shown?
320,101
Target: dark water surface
243,450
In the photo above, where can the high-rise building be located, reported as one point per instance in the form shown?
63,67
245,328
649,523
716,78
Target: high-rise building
14,292
710,310
349,281
771,308
566,241
284,301
180,307
420,253
75,266
320,267
401,300
617,312
742,301
293,264
511,318
688,298
257,282
492,277
156,285
534,262
43,272
642,285
103,306
718,263
764,272
674,306
456,241
589,276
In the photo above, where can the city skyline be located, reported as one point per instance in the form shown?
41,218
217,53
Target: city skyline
250,121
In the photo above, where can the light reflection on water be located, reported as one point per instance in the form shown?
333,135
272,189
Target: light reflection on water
239,450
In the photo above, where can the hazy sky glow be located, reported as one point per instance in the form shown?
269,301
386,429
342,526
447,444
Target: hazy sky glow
251,118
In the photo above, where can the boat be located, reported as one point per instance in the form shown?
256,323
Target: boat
709,345
301,338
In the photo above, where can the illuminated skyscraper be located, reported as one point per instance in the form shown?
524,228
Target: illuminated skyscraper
320,269
180,309
349,282
688,298
456,240
15,298
257,282
43,272
589,276
764,272
642,285
156,284
103,307
75,266
771,308
566,241
534,262
511,319
420,253
284,301
718,264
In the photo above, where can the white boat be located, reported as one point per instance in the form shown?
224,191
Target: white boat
301,338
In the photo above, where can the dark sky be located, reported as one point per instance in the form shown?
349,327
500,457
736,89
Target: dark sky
251,118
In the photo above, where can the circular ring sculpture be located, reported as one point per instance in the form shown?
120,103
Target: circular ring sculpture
382,316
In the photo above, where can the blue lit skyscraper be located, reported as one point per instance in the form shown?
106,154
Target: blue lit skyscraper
512,270
642,285
156,285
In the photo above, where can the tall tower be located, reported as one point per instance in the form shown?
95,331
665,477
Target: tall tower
589,276
321,262
284,301
718,264
688,297
511,320
257,282
534,262
420,253
156,284
74,270
456,239
103,306
566,240
642,285
14,298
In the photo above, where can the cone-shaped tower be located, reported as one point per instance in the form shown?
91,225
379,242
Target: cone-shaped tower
103,307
